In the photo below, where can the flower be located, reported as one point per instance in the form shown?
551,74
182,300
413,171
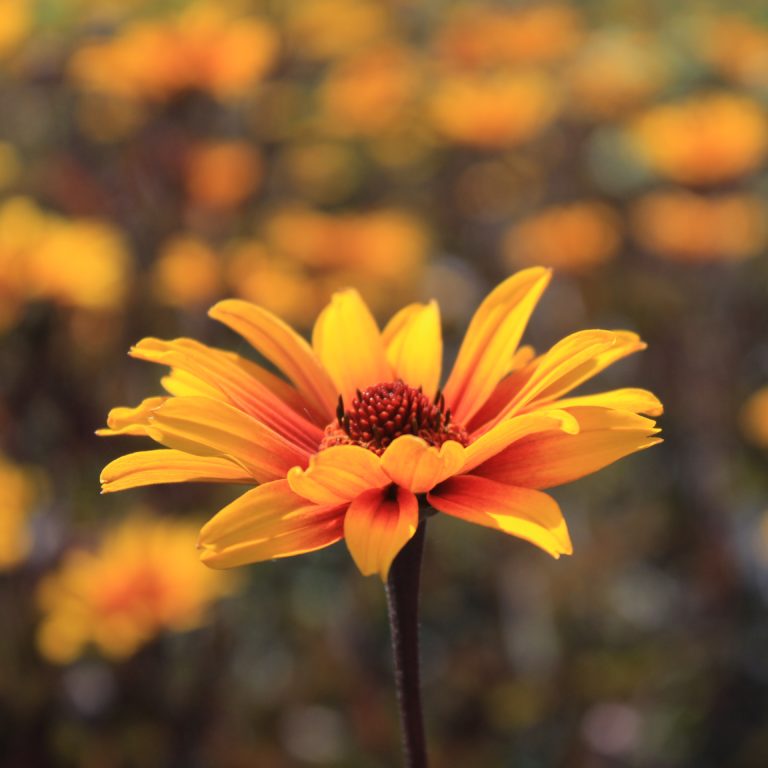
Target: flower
143,578
21,488
361,434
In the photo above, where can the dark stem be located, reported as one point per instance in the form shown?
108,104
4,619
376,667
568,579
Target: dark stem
403,603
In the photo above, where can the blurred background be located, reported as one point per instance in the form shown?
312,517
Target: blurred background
157,155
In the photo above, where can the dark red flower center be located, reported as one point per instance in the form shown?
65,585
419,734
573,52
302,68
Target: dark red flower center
378,415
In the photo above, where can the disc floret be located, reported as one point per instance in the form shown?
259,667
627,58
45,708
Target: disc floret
380,414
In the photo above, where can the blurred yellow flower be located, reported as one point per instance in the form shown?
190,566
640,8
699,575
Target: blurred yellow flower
370,91
15,24
695,228
19,491
613,73
326,29
187,273
706,139
575,237
204,47
481,36
494,111
221,174
754,417
143,578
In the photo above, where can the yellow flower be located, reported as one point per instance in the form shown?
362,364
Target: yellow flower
19,492
142,579
187,273
360,433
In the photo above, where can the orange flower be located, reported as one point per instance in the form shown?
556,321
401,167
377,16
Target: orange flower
361,434
696,228
754,417
704,140
142,579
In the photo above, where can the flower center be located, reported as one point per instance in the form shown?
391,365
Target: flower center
382,413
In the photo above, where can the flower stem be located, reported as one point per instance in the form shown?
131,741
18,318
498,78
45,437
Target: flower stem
403,603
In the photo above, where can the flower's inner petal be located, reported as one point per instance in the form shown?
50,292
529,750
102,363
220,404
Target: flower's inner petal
419,467
377,526
349,344
131,421
265,523
414,345
521,512
491,340
554,458
202,426
338,474
169,466
280,344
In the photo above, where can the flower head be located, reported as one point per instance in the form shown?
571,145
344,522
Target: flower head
360,433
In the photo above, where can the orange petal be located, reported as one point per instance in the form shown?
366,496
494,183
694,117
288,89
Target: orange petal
280,344
522,512
234,378
491,340
554,458
419,467
208,427
414,346
509,431
627,399
338,474
131,421
268,522
169,466
378,524
348,342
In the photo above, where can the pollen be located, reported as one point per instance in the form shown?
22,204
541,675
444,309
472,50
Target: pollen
380,414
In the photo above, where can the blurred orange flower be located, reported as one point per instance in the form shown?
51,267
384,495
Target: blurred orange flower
494,111
754,417
204,47
20,489
222,174
575,237
15,24
482,36
142,579
738,47
706,139
687,227
363,433
187,273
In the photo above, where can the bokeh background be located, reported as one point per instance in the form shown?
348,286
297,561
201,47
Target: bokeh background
157,155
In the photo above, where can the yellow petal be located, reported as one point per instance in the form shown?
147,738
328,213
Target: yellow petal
507,432
183,384
265,523
338,474
554,458
419,467
280,344
414,346
131,421
349,344
378,524
491,341
627,399
169,466
521,512
208,427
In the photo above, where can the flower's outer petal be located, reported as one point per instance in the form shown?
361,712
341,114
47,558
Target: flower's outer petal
280,344
181,383
268,522
131,421
508,432
554,458
349,344
414,345
234,379
521,512
491,340
627,399
169,466
338,474
378,524
419,467
208,427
